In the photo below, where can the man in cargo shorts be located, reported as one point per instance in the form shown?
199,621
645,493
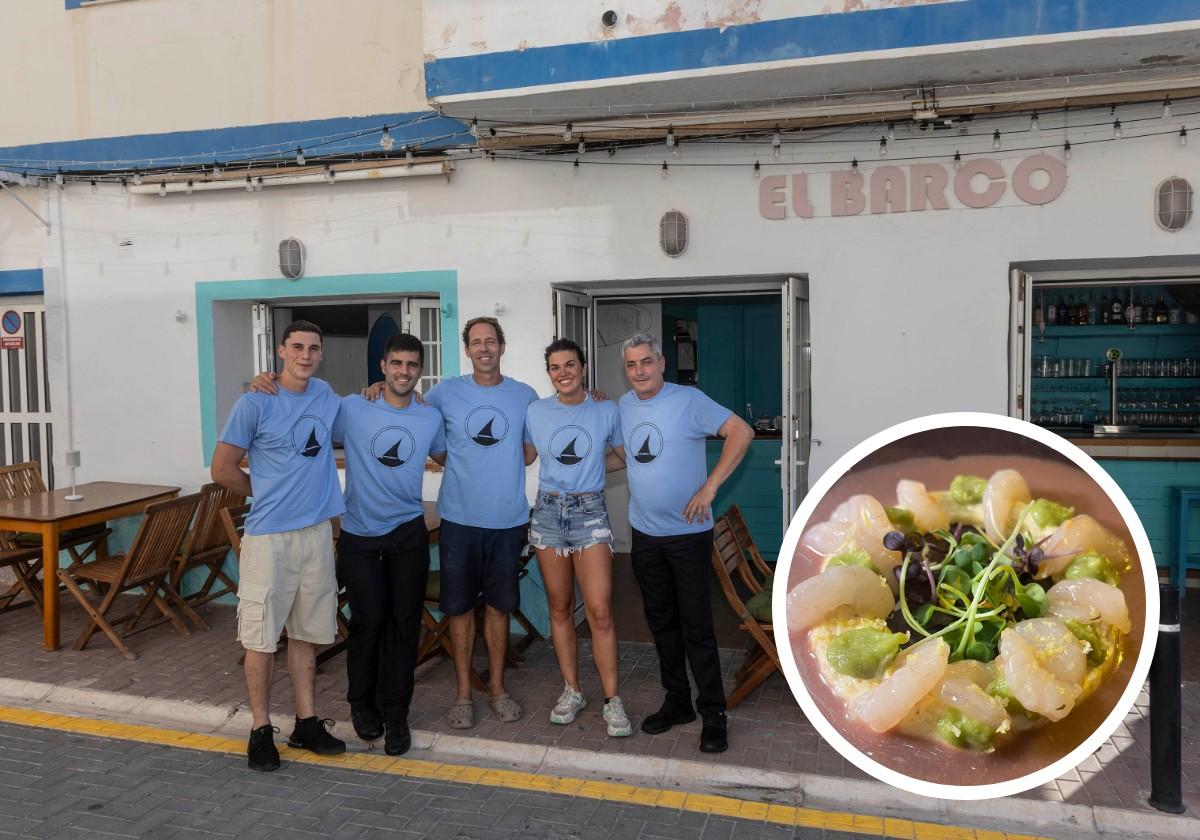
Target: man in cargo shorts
286,567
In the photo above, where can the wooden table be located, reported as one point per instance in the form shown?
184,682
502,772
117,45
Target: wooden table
49,514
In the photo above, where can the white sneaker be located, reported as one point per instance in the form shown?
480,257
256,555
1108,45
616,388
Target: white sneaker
570,703
618,722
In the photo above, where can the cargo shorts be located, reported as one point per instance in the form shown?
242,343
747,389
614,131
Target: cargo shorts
287,580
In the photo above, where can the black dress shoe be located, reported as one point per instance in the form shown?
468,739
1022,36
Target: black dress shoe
666,717
398,740
312,733
713,738
260,752
367,724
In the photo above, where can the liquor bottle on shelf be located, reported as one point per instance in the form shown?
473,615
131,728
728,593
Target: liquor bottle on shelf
1160,311
1052,312
1114,309
1064,312
1131,310
1081,311
1175,313
1104,308
1072,311
1091,309
1039,316
1139,309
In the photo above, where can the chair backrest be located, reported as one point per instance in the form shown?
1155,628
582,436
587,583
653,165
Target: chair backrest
21,480
208,534
157,540
729,549
742,532
233,519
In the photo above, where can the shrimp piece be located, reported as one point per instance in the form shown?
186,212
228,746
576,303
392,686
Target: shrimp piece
1044,666
1078,535
828,538
860,591
1005,496
927,513
1088,600
962,689
860,522
888,703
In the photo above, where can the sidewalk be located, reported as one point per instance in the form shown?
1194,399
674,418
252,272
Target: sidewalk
774,756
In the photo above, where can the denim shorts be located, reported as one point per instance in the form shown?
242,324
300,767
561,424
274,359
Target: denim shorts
569,522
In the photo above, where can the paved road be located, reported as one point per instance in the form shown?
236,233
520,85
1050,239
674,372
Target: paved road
56,784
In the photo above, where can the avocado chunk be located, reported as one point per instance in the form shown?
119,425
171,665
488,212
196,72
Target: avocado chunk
1092,565
961,730
864,653
1048,514
901,518
852,558
967,489
1098,647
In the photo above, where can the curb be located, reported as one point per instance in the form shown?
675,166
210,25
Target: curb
1061,820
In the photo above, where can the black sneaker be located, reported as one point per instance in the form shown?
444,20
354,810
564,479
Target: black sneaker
398,740
367,724
713,737
666,717
260,752
313,734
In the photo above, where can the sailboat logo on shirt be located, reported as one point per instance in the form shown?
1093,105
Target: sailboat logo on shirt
393,446
644,443
487,425
570,444
309,436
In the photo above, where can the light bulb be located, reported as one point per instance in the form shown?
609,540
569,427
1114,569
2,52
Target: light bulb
575,167
258,183
757,169
474,127
137,178
567,133
1183,135
329,174
957,159
996,140
670,136
664,169
58,178
1067,150
217,170
582,147
188,188
776,144
1035,124
249,184
1118,133
162,187
124,187
299,156
854,164
95,188
385,140
891,131
1167,108
408,158
883,147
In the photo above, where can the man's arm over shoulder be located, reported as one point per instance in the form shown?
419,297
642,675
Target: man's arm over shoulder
227,469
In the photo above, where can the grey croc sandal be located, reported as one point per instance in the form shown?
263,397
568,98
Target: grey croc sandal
506,708
462,716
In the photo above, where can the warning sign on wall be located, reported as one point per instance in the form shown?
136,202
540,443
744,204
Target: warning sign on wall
12,331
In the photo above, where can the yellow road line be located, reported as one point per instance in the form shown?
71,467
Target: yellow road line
463,774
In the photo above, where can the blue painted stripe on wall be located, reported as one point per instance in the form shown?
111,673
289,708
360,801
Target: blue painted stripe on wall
74,4
21,281
793,38
426,129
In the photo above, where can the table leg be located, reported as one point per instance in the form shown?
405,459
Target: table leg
50,620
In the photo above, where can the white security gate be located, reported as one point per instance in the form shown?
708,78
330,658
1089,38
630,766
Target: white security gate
26,433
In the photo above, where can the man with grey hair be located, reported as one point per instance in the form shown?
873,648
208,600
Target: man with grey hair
665,427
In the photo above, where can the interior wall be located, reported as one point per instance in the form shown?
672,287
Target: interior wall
344,365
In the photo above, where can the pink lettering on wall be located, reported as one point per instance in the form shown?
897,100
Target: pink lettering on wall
772,203
801,206
889,190
1056,174
929,186
846,193
964,183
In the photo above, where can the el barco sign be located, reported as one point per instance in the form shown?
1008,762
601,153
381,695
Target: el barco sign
976,184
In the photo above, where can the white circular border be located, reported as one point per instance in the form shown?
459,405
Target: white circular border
783,641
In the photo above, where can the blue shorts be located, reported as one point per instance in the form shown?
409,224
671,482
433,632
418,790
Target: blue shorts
569,522
479,562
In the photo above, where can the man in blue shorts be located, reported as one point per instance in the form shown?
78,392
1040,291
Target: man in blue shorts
670,508
484,511
383,551
286,567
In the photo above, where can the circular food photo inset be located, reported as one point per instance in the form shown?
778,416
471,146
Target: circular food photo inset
966,599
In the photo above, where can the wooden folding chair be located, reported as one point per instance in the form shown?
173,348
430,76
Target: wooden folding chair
25,564
762,658
146,566
25,479
207,546
737,523
437,628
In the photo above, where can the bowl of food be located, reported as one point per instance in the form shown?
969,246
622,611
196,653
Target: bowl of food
966,599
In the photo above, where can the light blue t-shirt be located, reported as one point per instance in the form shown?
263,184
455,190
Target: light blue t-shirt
571,441
292,470
386,448
484,482
665,454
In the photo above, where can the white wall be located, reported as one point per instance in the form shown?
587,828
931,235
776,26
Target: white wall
169,65
909,311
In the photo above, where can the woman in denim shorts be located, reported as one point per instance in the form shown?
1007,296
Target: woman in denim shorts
576,438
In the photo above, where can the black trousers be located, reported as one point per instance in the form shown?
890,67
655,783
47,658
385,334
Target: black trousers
385,583
673,574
